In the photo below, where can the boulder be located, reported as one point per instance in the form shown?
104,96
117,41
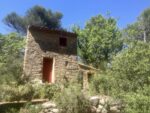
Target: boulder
48,105
94,100
55,110
114,109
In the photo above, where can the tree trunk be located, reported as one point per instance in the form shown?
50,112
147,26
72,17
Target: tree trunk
144,36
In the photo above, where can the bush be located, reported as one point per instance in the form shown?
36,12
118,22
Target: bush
16,93
131,67
128,78
11,57
28,91
47,91
11,110
136,103
102,84
29,108
72,100
20,108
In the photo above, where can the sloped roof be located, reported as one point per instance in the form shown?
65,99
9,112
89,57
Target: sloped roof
82,66
53,31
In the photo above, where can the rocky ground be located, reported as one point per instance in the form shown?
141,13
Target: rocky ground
100,104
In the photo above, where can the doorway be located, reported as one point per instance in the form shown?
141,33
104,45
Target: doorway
47,69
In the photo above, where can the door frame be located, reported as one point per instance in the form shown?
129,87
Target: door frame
53,71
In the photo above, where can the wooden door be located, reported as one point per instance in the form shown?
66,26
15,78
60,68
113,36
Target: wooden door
47,69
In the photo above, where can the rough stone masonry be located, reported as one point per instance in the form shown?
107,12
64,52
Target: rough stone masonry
99,104
51,56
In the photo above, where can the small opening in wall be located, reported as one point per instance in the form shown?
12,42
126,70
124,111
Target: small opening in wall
90,77
47,69
66,63
63,41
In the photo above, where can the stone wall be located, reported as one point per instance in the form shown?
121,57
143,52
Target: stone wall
99,104
105,104
45,44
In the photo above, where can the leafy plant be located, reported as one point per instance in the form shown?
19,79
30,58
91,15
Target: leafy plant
72,100
128,78
36,15
28,92
99,41
30,108
11,57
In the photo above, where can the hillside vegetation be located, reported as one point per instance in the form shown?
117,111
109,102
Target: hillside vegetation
123,56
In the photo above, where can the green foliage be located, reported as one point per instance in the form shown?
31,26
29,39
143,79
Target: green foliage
136,102
29,108
36,15
133,32
28,91
131,67
99,40
46,91
103,84
11,110
20,108
16,93
145,19
11,57
140,30
72,100
128,78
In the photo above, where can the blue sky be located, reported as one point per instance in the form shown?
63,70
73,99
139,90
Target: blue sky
78,11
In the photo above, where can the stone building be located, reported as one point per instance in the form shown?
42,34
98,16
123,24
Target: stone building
51,56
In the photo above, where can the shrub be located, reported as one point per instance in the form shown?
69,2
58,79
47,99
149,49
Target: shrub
102,84
47,91
72,100
11,110
28,91
128,78
131,67
11,57
29,108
